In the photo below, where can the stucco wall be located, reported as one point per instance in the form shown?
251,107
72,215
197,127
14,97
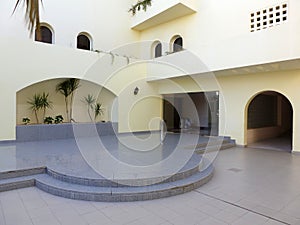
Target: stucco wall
238,92
37,62
80,113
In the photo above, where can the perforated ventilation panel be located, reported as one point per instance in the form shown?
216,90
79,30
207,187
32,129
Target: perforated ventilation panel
269,17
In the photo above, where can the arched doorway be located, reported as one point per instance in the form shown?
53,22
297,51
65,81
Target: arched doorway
270,121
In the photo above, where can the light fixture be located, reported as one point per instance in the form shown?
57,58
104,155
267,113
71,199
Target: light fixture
136,91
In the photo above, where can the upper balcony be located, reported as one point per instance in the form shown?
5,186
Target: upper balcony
162,11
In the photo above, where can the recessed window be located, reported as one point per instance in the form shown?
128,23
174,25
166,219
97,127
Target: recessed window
268,17
178,44
83,42
45,35
158,50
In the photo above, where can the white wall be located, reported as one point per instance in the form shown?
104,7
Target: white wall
108,22
25,63
219,34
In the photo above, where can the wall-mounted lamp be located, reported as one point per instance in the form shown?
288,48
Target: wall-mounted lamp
136,91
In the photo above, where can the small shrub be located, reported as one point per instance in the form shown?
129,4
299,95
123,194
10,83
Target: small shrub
48,120
26,120
58,119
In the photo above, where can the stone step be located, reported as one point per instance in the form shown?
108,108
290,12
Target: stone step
213,141
22,172
212,147
112,194
191,167
120,194
17,183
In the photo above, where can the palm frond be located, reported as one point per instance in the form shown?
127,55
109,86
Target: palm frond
89,100
35,102
63,88
46,103
98,110
32,13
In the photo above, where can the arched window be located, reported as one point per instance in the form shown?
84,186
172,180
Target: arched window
45,35
83,42
177,44
158,50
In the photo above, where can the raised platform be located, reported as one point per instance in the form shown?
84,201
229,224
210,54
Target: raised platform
46,132
61,168
101,189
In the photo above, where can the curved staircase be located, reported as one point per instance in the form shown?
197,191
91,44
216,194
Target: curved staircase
101,189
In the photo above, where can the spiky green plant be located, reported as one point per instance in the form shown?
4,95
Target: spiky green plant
45,103
67,89
63,88
89,100
35,105
98,110
39,102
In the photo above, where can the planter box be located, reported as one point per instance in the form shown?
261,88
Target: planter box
45,132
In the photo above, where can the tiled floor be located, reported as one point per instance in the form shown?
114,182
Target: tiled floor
250,186
283,143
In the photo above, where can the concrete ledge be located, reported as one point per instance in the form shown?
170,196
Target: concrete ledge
45,132
22,173
17,185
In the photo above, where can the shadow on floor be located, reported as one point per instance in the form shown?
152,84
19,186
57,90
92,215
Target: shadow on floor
282,143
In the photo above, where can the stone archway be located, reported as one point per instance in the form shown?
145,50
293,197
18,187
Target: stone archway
269,121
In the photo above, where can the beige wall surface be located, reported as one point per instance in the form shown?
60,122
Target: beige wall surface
40,62
236,92
80,113
216,37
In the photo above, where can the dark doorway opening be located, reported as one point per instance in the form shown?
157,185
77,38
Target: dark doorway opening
192,112
270,122
171,117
